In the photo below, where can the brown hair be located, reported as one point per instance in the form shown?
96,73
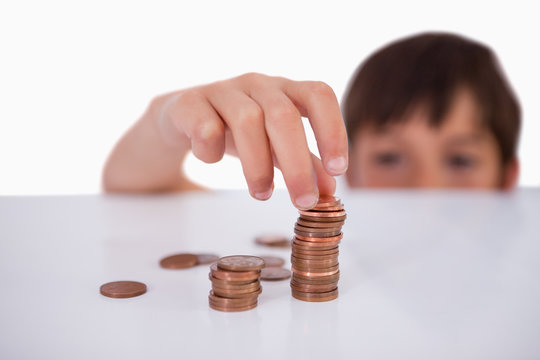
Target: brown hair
428,69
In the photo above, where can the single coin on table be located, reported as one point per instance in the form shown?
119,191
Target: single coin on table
122,289
179,261
272,261
206,259
273,241
275,274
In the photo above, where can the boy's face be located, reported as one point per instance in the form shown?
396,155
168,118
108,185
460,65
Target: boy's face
458,154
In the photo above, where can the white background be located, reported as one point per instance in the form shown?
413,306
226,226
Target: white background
75,75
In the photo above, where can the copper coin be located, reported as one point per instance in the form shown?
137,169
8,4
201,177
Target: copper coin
205,259
323,219
229,285
307,265
122,289
179,261
313,288
315,297
275,274
317,230
236,294
233,275
317,239
318,224
315,257
326,245
240,263
235,309
328,200
318,234
226,302
273,241
323,214
328,208
272,261
300,250
318,280
221,282
328,272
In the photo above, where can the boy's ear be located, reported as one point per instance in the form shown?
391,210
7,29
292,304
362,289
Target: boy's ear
510,174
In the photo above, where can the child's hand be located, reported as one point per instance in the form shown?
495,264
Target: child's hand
253,116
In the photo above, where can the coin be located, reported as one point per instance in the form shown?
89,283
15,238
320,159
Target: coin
314,288
323,219
318,224
122,289
323,214
272,261
233,275
179,261
205,259
328,200
273,241
275,274
240,263
315,297
235,294
317,235
315,239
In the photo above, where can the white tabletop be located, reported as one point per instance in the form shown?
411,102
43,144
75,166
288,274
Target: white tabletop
424,275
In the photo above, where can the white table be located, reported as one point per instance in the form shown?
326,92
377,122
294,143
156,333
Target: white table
425,275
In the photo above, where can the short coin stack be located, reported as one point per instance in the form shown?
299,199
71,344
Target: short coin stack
315,250
235,283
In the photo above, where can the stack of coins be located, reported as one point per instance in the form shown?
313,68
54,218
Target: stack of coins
235,283
315,250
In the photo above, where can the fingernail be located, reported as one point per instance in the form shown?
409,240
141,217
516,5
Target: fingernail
337,165
264,195
306,201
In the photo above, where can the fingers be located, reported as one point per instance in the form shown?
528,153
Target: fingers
245,118
192,114
285,131
316,101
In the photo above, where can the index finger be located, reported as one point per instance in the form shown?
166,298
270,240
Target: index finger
317,101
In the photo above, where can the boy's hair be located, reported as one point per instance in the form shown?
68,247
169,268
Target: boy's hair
428,69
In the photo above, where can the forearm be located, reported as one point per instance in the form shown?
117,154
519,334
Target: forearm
142,161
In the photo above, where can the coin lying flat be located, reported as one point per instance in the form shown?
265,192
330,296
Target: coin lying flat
241,263
273,241
206,259
272,261
122,289
179,261
275,274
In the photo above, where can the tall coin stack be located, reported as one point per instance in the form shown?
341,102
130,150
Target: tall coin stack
315,250
235,283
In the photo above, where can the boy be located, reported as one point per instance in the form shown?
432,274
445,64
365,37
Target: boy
432,110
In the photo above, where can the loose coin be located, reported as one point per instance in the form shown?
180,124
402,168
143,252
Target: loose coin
179,261
275,274
272,261
205,259
122,289
240,263
273,241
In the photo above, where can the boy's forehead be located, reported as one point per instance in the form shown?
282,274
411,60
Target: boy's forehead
464,117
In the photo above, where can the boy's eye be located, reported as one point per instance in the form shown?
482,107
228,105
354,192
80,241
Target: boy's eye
461,161
388,158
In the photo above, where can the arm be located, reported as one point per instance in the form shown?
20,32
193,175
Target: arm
253,116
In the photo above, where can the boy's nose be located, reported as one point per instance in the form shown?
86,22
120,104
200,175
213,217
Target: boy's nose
428,177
